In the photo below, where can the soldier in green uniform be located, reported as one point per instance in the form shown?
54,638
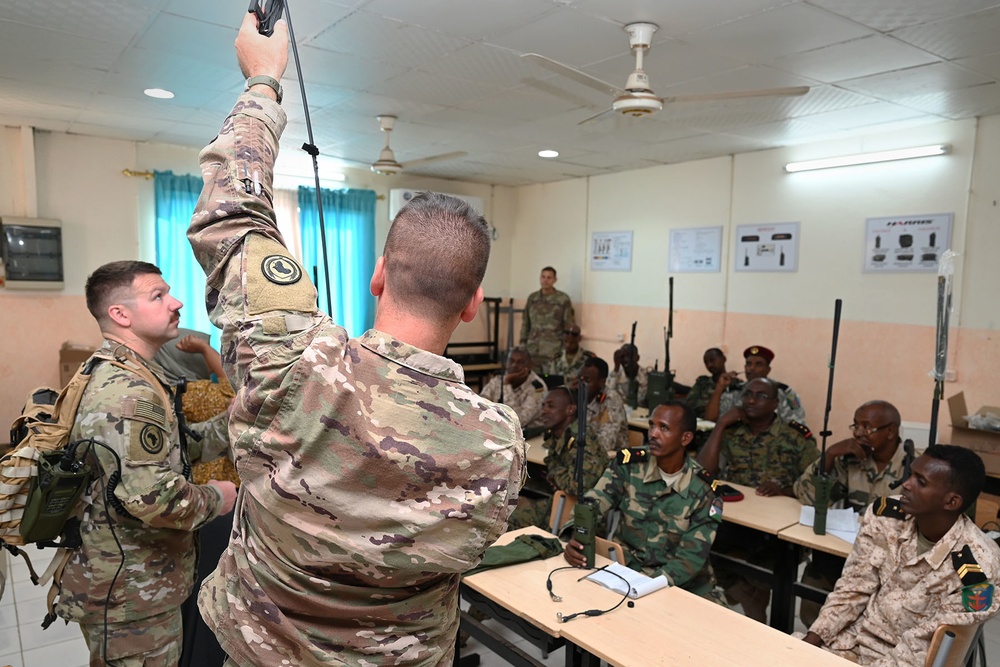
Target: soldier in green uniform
569,363
125,584
750,445
547,313
861,468
703,387
727,393
669,514
371,476
559,418
605,408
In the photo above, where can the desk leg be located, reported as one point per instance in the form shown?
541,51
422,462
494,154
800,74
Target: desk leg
786,569
578,657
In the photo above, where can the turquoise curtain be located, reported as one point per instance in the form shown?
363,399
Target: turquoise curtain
350,242
176,197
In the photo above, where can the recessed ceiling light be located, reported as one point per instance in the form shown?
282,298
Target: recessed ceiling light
159,93
548,153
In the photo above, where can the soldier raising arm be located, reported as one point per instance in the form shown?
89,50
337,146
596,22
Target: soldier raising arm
372,476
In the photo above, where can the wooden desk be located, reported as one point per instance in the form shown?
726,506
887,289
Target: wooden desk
673,627
804,536
536,450
767,514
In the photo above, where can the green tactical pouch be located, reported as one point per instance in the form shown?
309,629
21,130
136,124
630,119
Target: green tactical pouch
52,497
523,549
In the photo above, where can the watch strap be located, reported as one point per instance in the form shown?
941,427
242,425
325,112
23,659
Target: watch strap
268,81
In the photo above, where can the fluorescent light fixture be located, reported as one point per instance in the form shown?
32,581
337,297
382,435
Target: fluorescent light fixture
869,158
549,153
159,93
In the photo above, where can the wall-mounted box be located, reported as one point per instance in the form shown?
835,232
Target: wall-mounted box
32,254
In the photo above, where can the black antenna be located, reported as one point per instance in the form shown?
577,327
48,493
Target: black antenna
822,482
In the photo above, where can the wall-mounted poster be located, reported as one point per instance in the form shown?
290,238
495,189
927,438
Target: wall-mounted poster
611,251
696,250
906,243
769,247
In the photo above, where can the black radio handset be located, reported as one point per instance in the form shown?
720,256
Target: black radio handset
266,18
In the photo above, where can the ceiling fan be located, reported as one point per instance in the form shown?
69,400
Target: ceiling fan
637,97
386,163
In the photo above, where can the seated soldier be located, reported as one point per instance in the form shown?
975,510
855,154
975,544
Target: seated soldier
628,373
751,446
518,387
669,514
918,562
606,417
570,362
560,420
862,467
758,365
703,387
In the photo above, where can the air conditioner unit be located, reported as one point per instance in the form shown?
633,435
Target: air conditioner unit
398,197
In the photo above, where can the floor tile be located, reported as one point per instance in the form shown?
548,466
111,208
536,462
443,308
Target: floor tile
9,640
8,619
33,636
10,660
65,654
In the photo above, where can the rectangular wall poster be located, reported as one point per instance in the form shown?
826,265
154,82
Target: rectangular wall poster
611,251
696,250
769,247
906,243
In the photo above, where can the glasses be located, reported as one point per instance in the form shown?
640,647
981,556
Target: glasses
569,332
758,395
867,430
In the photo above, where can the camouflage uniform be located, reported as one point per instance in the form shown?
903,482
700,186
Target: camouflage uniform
122,410
618,380
606,419
891,598
569,368
546,316
701,392
664,530
560,462
525,400
781,453
372,476
789,406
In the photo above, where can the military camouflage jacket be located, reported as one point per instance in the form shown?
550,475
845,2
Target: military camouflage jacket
545,318
526,399
606,419
701,392
664,530
618,380
560,460
855,482
568,367
789,406
780,454
372,476
890,599
123,411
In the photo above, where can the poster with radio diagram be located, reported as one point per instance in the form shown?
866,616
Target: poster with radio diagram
611,251
902,244
767,247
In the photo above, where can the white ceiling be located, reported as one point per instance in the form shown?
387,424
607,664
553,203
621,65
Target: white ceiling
450,69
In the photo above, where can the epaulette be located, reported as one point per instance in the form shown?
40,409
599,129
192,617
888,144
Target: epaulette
802,429
781,385
707,477
538,385
968,569
631,455
888,507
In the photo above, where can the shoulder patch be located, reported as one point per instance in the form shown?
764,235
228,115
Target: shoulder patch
888,507
715,511
274,280
802,429
781,385
631,455
280,270
969,571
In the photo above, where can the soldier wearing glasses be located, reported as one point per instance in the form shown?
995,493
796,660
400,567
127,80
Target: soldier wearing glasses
861,467
751,445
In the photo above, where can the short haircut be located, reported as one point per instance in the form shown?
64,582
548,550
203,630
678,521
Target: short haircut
967,474
888,408
599,364
771,384
715,352
689,420
520,349
549,268
563,390
444,228
107,284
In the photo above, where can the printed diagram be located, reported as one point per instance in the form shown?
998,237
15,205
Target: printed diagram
771,247
611,251
696,250
906,244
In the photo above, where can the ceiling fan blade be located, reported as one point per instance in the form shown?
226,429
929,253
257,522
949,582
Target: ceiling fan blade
793,91
597,116
433,158
573,73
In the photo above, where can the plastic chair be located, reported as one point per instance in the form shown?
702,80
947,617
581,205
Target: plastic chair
562,511
968,639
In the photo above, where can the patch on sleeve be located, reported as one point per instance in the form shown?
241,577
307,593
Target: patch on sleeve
968,568
274,280
977,597
147,442
888,507
715,511
801,429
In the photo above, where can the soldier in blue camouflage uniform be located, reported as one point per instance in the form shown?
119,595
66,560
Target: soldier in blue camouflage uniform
560,420
547,313
669,513
569,363
703,387
371,476
131,594
750,445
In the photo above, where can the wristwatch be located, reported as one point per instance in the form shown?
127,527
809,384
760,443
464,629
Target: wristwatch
268,81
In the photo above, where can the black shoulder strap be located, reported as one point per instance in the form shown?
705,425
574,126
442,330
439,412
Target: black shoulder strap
708,478
888,507
631,455
969,571
801,429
